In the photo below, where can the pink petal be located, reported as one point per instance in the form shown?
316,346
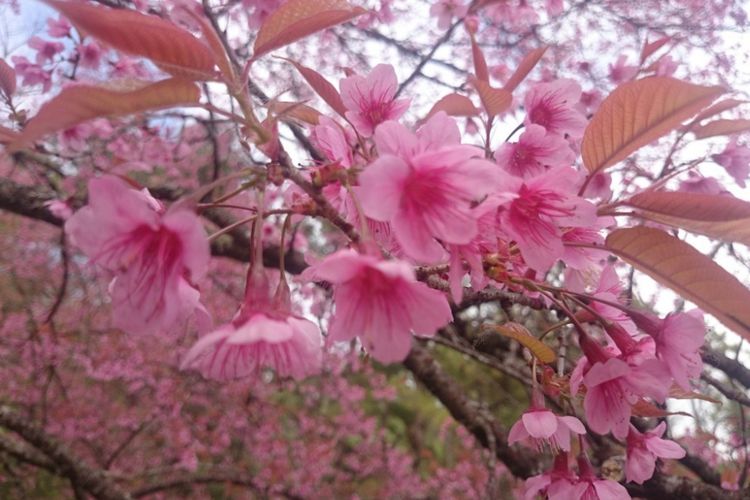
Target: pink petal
664,448
261,328
456,274
351,313
205,345
607,409
195,247
540,424
395,139
382,82
535,485
562,437
650,378
382,187
640,465
387,335
576,376
415,240
564,489
438,132
603,372
340,266
610,490
573,424
429,309
396,270
539,257
517,433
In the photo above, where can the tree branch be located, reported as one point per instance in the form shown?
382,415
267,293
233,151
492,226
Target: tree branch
80,474
26,454
662,487
727,391
429,372
428,57
731,367
214,475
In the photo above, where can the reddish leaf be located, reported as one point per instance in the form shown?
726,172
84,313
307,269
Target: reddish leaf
637,113
688,272
214,43
7,79
721,217
454,105
83,102
721,127
678,392
643,408
495,101
651,47
7,135
717,108
528,63
169,46
521,334
321,86
297,19
295,110
480,64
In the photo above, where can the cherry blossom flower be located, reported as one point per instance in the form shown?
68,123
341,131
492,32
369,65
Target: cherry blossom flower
446,10
517,16
607,293
644,449
600,186
262,9
543,204
32,74
736,160
696,183
534,151
58,28
438,132
381,302
46,50
589,486
630,350
613,386
484,242
678,338
621,71
90,55
329,137
553,106
371,100
560,477
615,383
342,200
543,427
425,195
77,137
155,256
666,66
263,334
579,257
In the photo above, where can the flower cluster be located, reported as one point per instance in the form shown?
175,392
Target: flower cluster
420,197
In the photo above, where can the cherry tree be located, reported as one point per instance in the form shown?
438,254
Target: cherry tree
365,249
